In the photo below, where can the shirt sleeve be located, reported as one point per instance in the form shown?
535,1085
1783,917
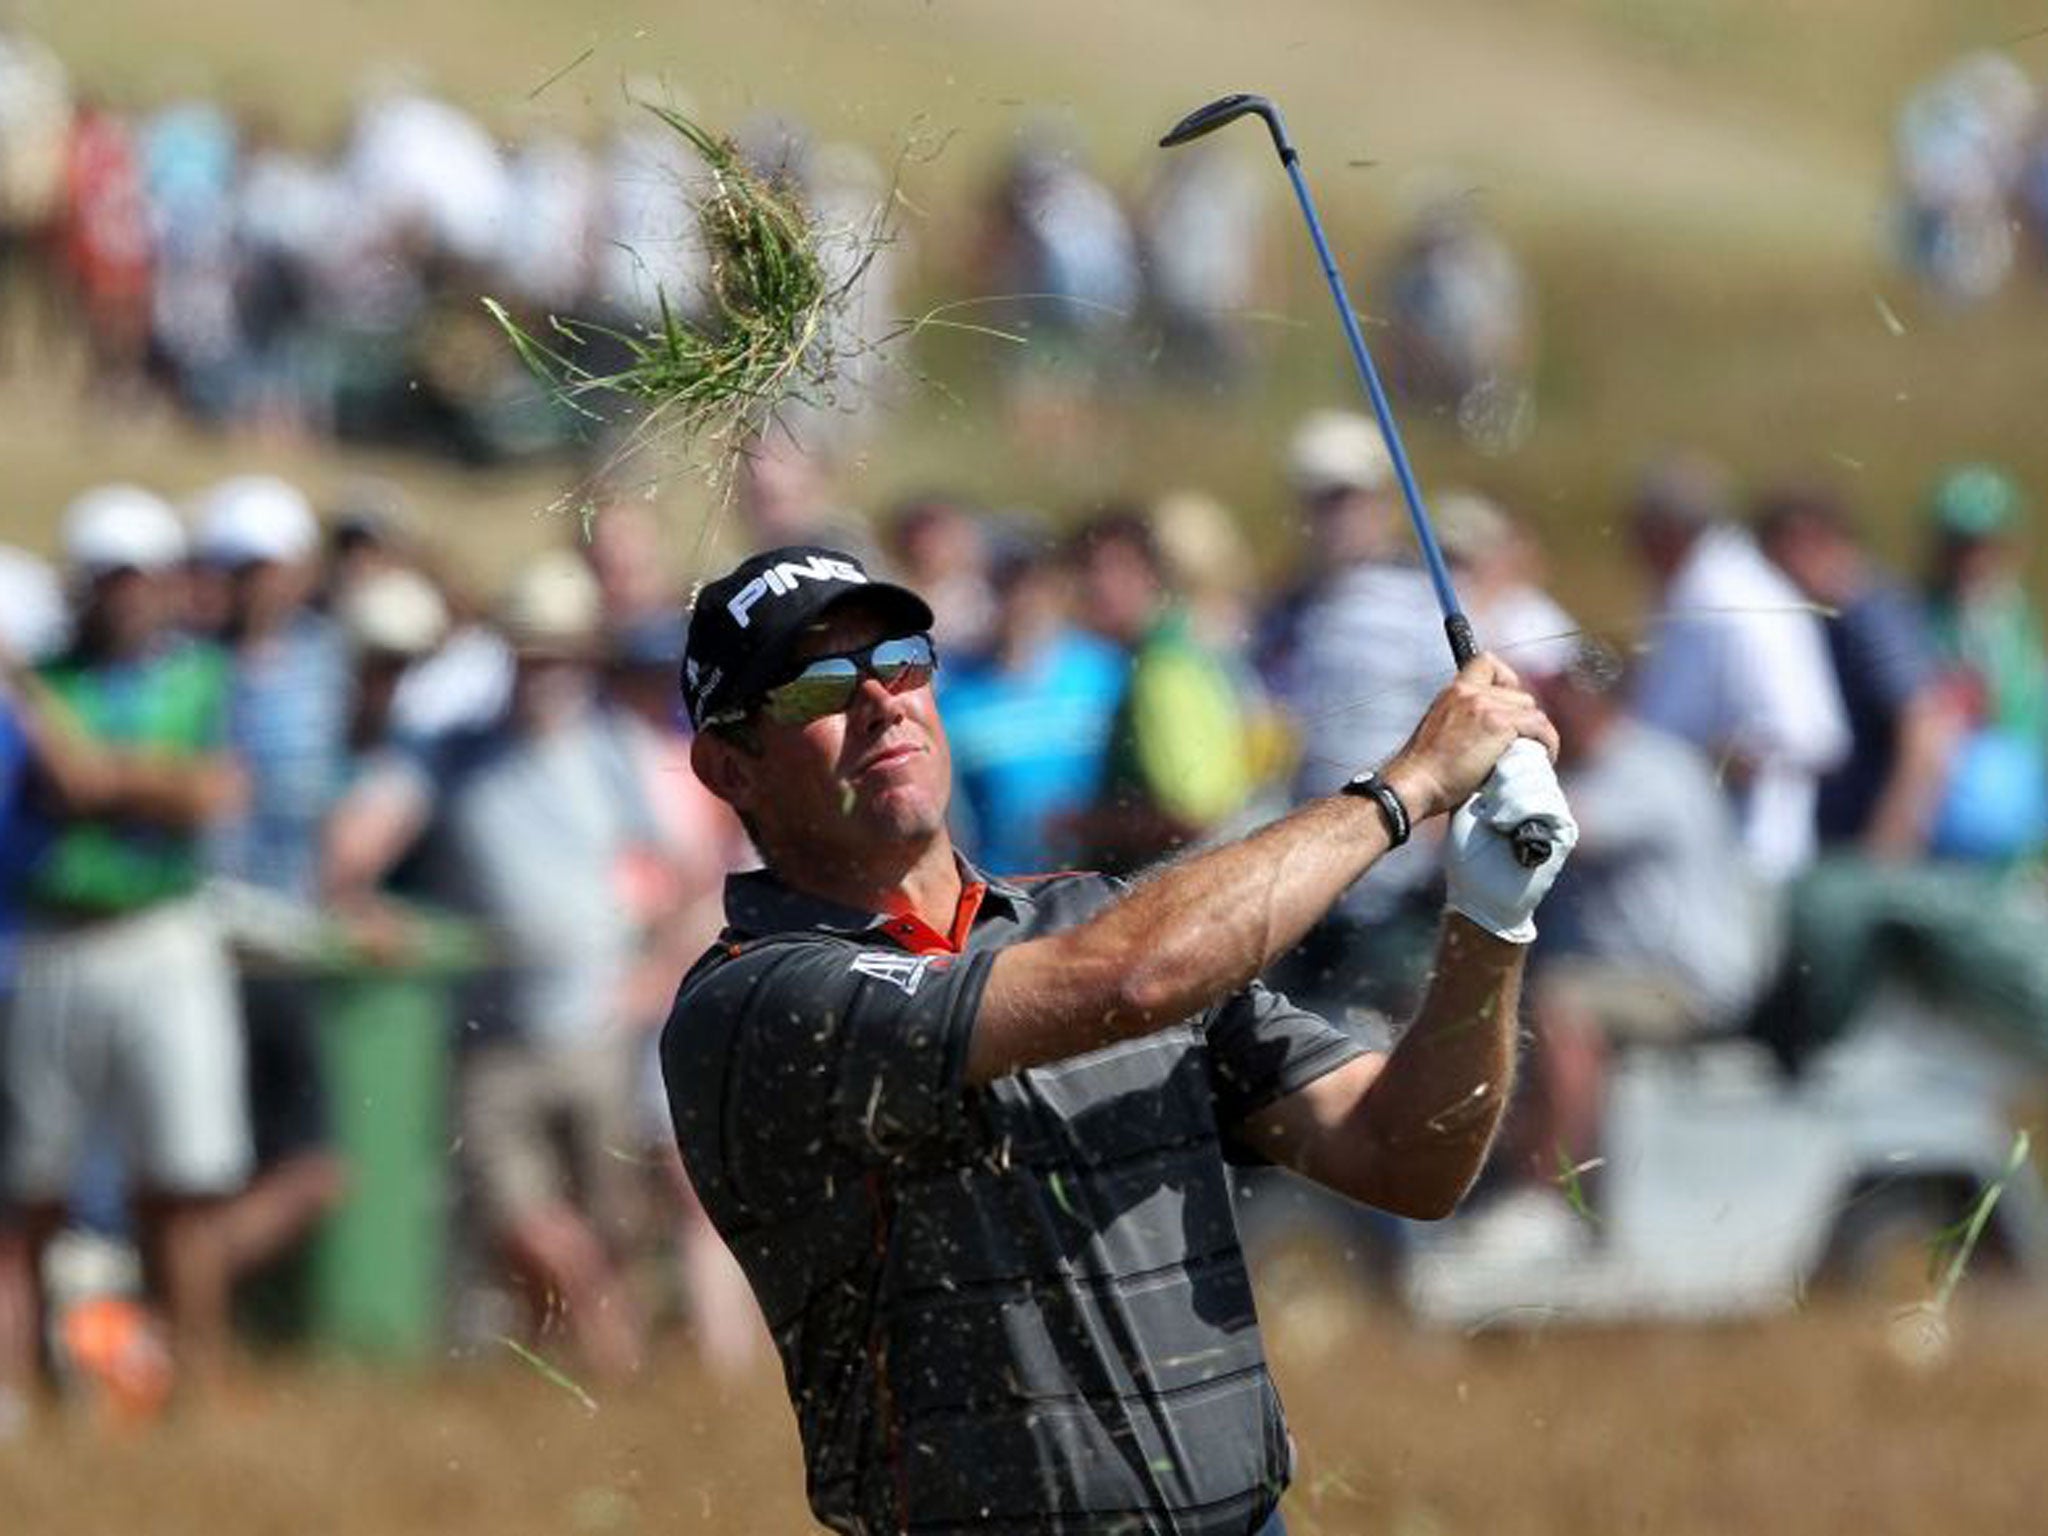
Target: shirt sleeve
793,1058
1262,1048
1889,649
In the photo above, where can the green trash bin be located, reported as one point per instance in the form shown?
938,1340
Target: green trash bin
376,1275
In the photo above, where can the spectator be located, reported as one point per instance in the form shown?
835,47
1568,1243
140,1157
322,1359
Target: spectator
1958,145
1177,767
1883,796
787,495
1208,562
677,895
125,1012
1987,633
1199,237
1655,934
936,545
1059,250
288,726
394,619
531,818
1737,663
189,156
103,235
622,540
1029,717
289,213
1498,567
1879,910
35,119
1355,652
648,252
548,242
32,624
1458,305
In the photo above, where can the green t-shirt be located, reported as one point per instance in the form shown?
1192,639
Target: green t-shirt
1179,739
1998,638
173,702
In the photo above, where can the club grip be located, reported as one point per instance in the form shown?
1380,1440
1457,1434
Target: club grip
1532,846
1464,644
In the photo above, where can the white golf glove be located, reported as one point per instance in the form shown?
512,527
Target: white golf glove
1484,880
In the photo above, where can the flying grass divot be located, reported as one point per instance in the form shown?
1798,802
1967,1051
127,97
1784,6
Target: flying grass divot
767,335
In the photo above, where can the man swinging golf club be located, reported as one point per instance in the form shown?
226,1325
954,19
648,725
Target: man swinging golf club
967,1136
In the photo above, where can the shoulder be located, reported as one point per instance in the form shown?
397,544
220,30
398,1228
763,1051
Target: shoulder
1061,898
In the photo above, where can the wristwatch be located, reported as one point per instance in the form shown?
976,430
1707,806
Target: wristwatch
1392,811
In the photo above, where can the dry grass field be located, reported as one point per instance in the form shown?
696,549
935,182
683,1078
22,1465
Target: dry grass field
1810,1426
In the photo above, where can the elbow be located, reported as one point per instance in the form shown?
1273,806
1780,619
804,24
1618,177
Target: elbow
1140,993
1432,1203
1417,1188
1127,991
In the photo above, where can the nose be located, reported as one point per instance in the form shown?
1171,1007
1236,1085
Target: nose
875,706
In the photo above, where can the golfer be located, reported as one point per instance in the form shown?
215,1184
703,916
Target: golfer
968,1136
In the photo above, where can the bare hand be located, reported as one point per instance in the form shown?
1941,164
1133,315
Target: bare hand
1468,726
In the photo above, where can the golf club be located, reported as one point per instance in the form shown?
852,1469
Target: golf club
1532,847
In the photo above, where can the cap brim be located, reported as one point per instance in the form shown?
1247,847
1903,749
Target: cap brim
897,606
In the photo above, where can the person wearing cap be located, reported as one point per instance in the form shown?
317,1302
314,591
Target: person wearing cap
126,1011
1497,566
1355,653
257,542
393,619
1735,660
529,826
967,1136
1985,626
259,537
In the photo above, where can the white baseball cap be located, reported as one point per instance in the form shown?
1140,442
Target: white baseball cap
122,527
1338,451
396,611
248,518
33,621
553,603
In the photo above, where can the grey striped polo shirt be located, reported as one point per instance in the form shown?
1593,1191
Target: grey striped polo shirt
1015,1308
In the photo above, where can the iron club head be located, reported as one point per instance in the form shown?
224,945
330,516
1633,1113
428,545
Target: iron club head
1225,110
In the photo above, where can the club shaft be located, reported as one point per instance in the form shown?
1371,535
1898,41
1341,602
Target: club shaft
1432,556
1531,845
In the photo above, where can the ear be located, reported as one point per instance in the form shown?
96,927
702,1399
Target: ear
727,771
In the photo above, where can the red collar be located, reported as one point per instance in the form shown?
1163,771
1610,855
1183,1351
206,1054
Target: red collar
920,938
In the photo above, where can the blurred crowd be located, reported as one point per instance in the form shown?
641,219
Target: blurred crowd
251,747
266,288
262,287
1970,149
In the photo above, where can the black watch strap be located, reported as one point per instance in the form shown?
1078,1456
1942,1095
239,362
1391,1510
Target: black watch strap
1392,811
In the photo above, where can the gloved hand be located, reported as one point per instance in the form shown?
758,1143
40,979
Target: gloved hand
1484,880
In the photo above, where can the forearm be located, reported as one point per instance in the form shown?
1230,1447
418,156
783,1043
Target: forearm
88,778
1906,806
1430,1115
1203,929
1184,938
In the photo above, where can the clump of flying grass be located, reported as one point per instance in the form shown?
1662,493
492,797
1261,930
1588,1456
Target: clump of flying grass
767,334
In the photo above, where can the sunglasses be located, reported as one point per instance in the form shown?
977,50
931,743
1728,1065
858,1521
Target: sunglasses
826,684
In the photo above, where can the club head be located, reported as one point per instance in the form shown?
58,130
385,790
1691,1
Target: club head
1225,110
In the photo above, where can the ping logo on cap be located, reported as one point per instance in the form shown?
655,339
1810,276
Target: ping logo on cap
783,577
